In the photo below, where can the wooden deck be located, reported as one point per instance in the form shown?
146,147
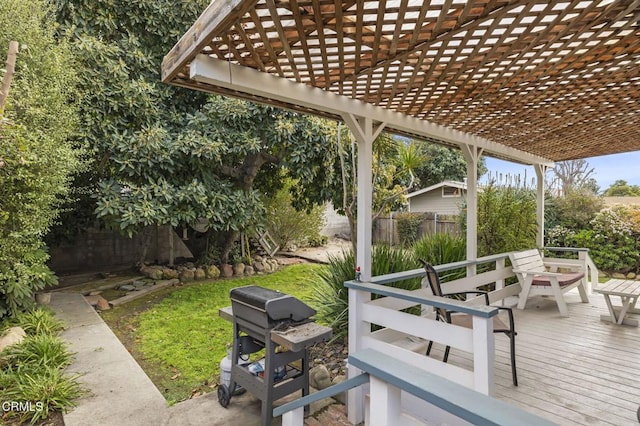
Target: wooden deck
573,371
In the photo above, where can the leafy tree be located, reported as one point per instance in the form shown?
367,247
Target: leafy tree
621,188
443,163
120,45
165,155
574,209
573,175
228,153
36,155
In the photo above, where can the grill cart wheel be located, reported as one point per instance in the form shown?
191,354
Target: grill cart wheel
224,396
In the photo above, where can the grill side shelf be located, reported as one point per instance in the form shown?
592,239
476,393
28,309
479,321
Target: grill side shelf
301,336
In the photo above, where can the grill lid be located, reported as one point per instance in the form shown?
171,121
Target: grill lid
277,305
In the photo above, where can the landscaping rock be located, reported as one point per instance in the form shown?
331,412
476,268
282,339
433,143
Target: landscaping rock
342,396
199,274
238,269
631,276
169,274
319,377
138,284
95,292
127,287
13,336
258,266
213,272
249,270
618,275
153,272
266,266
187,275
226,270
258,258
102,304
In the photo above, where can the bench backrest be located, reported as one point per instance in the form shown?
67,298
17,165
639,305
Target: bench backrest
528,260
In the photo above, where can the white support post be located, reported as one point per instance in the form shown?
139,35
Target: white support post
384,403
483,355
358,329
472,155
541,171
293,417
365,132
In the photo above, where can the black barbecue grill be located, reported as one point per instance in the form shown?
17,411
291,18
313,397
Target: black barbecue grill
265,319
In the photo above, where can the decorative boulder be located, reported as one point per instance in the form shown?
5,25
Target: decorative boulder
238,269
169,274
13,336
258,266
319,377
153,272
200,274
187,275
248,270
342,396
213,272
226,270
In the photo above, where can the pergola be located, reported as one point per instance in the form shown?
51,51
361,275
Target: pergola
527,81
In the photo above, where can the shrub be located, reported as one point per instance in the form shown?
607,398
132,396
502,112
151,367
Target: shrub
290,226
47,390
409,227
36,352
506,219
442,248
574,210
38,322
32,371
331,298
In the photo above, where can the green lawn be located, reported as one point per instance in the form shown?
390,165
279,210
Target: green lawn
182,338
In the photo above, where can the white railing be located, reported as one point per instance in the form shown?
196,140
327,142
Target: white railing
403,335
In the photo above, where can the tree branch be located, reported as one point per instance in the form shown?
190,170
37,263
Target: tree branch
8,75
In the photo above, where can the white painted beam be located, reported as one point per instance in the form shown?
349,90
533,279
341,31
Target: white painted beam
472,155
247,80
541,171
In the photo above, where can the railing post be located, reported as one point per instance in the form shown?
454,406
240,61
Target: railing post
293,417
384,403
483,354
357,330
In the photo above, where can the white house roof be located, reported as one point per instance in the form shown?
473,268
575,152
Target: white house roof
451,183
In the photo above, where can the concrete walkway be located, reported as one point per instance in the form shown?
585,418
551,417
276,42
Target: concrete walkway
120,393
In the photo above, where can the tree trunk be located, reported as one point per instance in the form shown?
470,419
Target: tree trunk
226,240
171,248
146,241
8,75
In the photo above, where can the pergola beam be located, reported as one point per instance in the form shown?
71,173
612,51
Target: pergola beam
248,81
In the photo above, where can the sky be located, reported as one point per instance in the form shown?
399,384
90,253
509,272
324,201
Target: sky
607,169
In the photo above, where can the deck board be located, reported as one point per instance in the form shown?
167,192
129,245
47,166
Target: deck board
573,371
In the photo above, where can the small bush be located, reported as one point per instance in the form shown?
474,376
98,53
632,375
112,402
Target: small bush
290,226
47,390
37,352
409,227
331,298
38,322
32,371
442,248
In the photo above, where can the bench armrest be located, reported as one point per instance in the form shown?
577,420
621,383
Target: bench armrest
542,273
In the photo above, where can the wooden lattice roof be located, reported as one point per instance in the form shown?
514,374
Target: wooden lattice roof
557,79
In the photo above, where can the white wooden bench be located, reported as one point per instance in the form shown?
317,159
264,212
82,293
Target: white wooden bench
535,279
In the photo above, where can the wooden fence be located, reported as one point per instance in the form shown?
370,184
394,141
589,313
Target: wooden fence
385,228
